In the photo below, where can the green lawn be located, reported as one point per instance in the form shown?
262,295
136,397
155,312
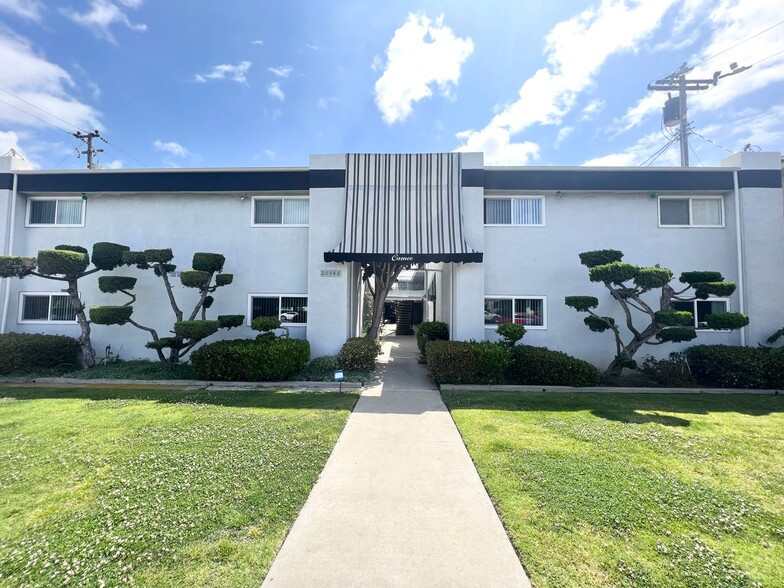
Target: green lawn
634,490
150,487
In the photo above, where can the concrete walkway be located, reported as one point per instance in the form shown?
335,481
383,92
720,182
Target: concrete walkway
399,502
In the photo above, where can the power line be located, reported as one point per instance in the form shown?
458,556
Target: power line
41,109
116,148
740,43
658,152
35,117
697,156
768,57
70,153
712,142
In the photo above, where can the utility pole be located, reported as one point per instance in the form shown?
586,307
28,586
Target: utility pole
677,81
90,151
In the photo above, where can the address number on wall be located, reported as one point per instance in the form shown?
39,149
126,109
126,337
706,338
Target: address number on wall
331,273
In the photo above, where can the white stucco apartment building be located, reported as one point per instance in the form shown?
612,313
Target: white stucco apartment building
498,243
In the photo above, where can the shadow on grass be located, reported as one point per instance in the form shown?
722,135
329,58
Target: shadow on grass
626,408
229,398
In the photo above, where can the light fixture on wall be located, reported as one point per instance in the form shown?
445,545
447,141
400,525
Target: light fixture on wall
560,194
653,195
243,196
84,196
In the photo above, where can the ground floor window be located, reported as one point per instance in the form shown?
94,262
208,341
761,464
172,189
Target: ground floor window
289,309
702,308
45,307
529,311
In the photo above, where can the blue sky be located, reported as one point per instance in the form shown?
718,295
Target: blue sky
191,83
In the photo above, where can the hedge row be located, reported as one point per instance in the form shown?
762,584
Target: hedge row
23,351
359,353
727,366
484,362
247,360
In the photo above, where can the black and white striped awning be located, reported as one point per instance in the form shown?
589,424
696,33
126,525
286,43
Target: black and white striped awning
403,208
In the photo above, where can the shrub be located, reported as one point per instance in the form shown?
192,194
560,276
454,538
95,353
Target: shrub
359,353
247,360
196,329
194,278
113,284
451,362
728,366
110,315
157,255
107,256
208,262
23,351
17,266
668,372
265,323
539,365
224,279
492,360
431,331
510,333
228,321
62,262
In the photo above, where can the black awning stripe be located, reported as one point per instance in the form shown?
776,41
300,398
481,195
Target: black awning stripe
399,203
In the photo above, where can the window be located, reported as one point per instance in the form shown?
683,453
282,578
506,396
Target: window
531,312
44,307
64,212
525,211
289,309
280,211
696,211
702,308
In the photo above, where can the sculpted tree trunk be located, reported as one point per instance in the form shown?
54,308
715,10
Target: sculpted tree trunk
384,275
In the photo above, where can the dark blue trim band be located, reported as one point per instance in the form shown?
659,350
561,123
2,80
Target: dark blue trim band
759,178
616,180
6,181
473,178
183,181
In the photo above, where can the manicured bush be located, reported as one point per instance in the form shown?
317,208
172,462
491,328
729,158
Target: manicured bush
11,267
194,278
246,360
431,331
728,366
62,262
358,353
600,257
492,360
208,262
539,365
228,321
510,333
451,362
265,323
673,318
158,255
727,320
581,303
113,284
195,329
676,334
107,256
224,279
23,351
110,315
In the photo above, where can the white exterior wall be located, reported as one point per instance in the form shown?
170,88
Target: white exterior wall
264,260
543,261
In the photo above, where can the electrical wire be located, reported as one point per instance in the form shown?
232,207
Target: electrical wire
766,58
693,132
70,153
656,155
116,148
739,44
41,109
35,117
695,155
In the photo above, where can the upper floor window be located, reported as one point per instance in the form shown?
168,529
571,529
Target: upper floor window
693,211
531,311
523,210
280,211
63,211
44,308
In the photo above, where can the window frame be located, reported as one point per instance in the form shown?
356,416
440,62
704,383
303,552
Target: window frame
279,296
694,303
23,321
57,199
691,224
544,326
511,197
283,200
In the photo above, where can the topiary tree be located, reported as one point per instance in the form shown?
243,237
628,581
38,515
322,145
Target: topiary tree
68,263
379,278
510,333
206,277
627,284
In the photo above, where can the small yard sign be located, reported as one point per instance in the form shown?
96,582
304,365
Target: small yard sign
339,375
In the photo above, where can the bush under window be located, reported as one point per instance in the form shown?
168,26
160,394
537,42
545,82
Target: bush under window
24,351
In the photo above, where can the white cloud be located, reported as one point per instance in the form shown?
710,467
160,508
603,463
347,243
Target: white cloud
102,15
30,76
314,47
497,146
634,115
274,90
10,140
283,71
27,9
114,164
257,42
592,109
576,50
563,133
421,54
170,147
236,73
270,153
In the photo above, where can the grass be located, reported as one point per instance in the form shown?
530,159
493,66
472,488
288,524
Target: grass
634,490
131,486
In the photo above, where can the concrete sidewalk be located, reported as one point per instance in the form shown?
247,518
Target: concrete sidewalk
399,502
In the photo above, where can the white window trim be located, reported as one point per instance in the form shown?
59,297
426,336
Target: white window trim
694,313
283,199
54,224
515,197
278,295
23,321
691,215
544,326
